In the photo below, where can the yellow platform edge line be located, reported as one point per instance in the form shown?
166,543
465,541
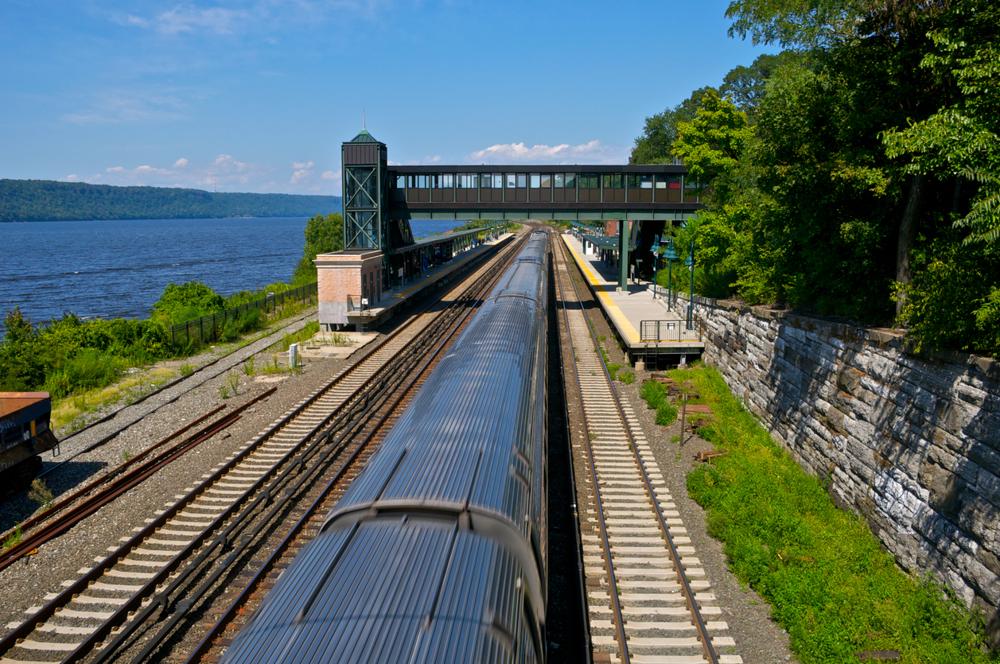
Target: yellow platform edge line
621,321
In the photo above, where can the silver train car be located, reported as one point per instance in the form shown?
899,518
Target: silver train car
436,552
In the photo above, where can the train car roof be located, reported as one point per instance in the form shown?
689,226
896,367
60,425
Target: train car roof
12,402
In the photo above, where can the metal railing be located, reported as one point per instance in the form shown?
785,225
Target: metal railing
199,331
660,330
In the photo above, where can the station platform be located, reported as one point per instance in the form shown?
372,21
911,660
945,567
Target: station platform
393,298
649,331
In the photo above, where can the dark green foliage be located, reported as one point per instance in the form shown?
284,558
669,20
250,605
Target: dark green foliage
954,300
70,354
88,368
655,146
862,182
182,302
828,580
324,234
655,396
44,200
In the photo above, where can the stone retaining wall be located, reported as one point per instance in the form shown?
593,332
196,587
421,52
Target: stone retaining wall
911,444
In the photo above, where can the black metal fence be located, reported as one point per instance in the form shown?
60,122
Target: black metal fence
660,330
206,329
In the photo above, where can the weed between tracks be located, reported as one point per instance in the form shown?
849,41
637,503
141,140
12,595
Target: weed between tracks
830,583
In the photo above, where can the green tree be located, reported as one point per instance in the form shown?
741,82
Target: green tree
660,132
745,86
712,143
323,234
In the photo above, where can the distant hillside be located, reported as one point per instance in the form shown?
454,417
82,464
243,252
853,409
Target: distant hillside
39,200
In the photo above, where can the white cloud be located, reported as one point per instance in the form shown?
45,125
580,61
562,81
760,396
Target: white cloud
330,175
114,169
118,106
592,151
181,163
301,170
241,16
188,18
72,177
227,163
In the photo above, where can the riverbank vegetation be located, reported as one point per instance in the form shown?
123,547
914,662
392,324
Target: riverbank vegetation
48,200
828,580
855,174
88,364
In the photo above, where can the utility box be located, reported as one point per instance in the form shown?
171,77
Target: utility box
345,279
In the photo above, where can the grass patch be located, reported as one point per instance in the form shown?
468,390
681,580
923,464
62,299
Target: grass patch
655,396
828,580
275,368
71,412
40,493
14,538
626,376
308,331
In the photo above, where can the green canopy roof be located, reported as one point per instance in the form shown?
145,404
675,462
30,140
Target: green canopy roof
364,137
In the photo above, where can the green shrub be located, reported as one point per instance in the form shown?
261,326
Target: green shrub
183,302
88,369
656,397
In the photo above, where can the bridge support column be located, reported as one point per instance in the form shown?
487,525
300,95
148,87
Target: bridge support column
623,240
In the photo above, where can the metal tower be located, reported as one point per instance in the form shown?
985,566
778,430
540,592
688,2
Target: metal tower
365,188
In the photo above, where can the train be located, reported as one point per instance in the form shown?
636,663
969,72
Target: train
437,550
24,430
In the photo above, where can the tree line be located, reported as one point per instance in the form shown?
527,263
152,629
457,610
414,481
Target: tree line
47,200
857,172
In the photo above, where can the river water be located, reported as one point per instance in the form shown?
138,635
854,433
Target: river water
113,269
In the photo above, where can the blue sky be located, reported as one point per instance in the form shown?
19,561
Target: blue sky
257,95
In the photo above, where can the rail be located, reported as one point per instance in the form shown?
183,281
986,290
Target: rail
686,590
360,403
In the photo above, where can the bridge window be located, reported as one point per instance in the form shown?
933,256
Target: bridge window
511,180
546,181
571,180
417,181
400,182
485,180
645,182
589,181
559,180
614,181
444,181
536,180
691,190
522,180
466,181
672,186
498,181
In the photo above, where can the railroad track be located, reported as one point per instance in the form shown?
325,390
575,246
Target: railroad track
156,576
648,599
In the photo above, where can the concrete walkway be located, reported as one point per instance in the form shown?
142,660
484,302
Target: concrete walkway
643,322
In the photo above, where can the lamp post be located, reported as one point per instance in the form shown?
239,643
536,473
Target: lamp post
689,262
655,250
671,255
